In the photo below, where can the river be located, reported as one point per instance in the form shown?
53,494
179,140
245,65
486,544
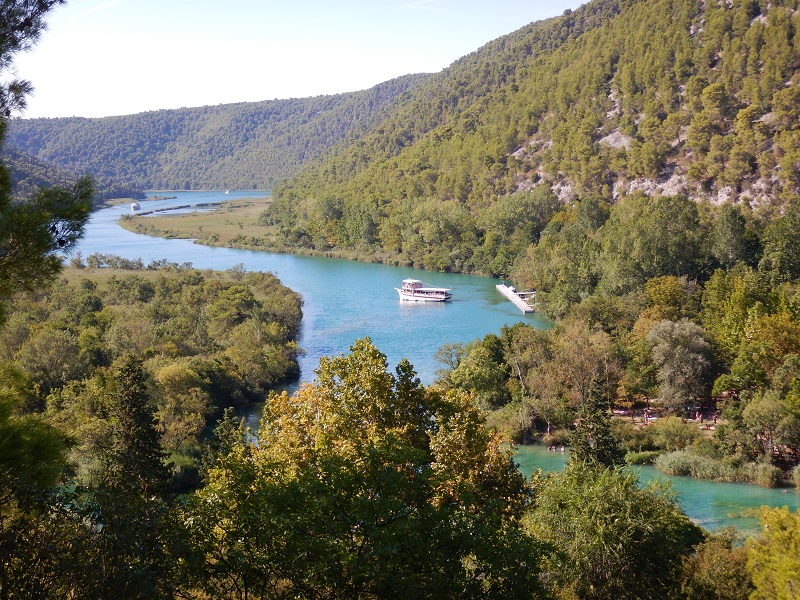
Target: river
710,504
342,300
346,300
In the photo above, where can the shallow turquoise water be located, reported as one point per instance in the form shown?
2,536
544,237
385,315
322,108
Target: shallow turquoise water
343,300
347,300
712,505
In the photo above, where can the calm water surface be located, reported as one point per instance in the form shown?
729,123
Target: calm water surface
343,300
710,504
347,300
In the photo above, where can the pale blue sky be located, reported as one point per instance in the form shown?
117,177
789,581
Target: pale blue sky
112,57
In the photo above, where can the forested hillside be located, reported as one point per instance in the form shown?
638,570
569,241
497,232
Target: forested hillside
30,174
243,146
667,97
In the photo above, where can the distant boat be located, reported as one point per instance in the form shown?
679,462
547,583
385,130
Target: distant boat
135,206
413,290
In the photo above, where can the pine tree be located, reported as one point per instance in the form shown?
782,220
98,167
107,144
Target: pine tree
138,539
135,460
593,443
32,232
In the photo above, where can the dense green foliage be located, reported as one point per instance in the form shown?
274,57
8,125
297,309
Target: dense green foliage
30,174
365,484
615,539
246,146
583,104
206,340
717,570
34,233
725,344
592,443
773,561
362,484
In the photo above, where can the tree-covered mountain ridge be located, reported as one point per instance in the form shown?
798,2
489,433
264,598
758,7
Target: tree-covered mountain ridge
30,174
249,145
664,97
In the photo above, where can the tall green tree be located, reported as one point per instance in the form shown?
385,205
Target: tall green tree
136,547
593,443
612,537
366,484
135,459
781,259
32,233
681,354
731,241
773,559
717,570
649,237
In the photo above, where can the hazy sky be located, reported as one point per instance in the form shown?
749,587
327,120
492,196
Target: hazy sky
113,57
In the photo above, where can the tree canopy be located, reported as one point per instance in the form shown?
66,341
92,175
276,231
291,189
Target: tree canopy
366,484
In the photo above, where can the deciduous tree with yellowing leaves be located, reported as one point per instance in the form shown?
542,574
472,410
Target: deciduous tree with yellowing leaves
367,484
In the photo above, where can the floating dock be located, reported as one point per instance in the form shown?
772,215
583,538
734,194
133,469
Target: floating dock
517,298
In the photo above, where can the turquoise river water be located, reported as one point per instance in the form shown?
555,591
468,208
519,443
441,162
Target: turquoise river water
347,300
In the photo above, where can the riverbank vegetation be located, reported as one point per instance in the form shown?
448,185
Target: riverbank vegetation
362,484
206,341
716,350
233,224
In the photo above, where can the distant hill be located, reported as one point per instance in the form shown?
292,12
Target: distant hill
662,96
29,174
244,146
462,170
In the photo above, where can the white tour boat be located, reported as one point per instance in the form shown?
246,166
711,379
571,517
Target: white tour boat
413,290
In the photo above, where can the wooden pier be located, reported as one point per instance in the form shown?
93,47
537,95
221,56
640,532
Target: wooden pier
516,297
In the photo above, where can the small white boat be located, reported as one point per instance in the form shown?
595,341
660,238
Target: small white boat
413,290
135,206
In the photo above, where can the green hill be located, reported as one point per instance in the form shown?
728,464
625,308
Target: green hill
462,170
662,96
244,146
29,174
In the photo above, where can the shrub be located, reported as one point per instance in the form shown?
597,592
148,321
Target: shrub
676,463
642,458
691,464
633,438
762,473
717,569
671,434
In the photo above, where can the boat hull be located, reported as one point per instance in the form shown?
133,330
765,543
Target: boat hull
421,296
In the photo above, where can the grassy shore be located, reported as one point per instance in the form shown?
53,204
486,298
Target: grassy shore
236,224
